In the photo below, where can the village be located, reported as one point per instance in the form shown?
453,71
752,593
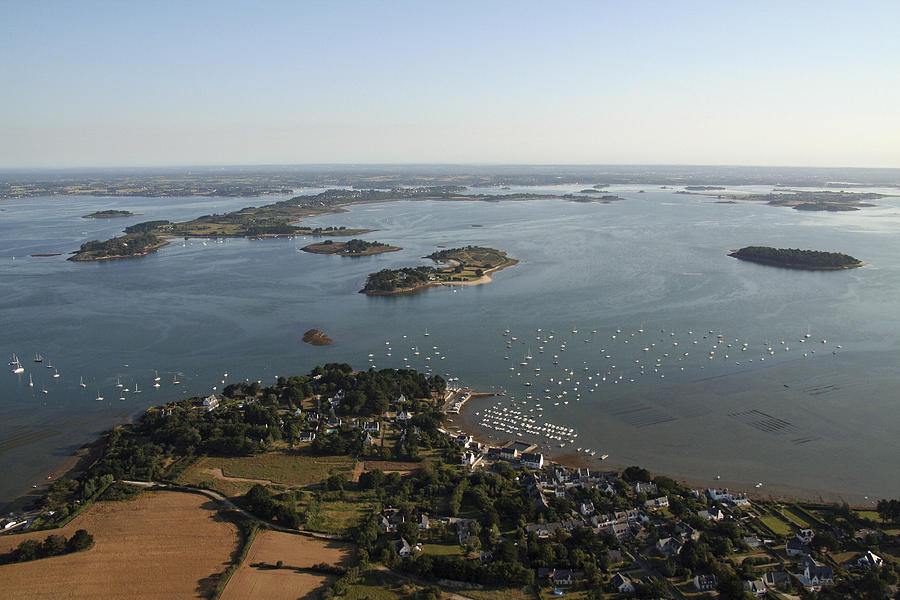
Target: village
366,457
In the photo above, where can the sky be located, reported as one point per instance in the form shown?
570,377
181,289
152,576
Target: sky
646,82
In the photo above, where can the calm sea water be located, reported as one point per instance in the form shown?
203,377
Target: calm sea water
824,423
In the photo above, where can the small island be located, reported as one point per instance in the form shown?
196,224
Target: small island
354,247
314,337
791,258
126,246
471,265
605,199
108,214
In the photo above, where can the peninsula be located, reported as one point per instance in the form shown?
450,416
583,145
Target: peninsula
108,214
354,247
376,494
792,258
470,265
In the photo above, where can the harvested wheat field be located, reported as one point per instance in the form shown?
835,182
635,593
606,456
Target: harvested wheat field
162,545
295,551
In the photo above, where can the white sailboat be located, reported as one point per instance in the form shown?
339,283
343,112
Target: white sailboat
175,380
99,397
56,374
81,382
118,383
156,376
136,389
30,382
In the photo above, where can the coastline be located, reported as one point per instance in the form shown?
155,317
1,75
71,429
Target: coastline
464,423
73,464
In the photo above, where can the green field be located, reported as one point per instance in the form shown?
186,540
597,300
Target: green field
377,585
284,468
776,525
441,549
504,594
796,517
340,516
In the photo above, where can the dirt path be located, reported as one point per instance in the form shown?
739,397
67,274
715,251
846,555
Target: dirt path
218,473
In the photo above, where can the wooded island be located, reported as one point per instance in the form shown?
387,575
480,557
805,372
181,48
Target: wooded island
469,265
792,258
354,247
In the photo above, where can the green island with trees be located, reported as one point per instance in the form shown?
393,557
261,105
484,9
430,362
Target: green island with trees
108,214
125,246
792,258
329,443
465,265
354,247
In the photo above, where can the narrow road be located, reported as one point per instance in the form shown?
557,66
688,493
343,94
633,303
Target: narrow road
642,563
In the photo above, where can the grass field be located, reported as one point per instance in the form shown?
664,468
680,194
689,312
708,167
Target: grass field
508,594
442,549
162,545
277,467
374,585
285,584
796,517
340,516
775,524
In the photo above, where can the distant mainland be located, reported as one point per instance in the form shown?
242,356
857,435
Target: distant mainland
272,220
791,258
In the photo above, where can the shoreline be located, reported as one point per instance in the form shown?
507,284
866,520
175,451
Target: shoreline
462,423
73,464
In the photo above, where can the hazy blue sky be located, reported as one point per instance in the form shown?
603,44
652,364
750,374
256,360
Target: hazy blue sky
170,83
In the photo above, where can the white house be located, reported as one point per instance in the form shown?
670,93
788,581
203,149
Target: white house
661,502
533,460
756,587
622,584
869,560
706,583
586,509
816,575
713,514
646,488
210,402
795,547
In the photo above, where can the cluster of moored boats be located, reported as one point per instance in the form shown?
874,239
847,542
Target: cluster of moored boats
632,356
121,388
